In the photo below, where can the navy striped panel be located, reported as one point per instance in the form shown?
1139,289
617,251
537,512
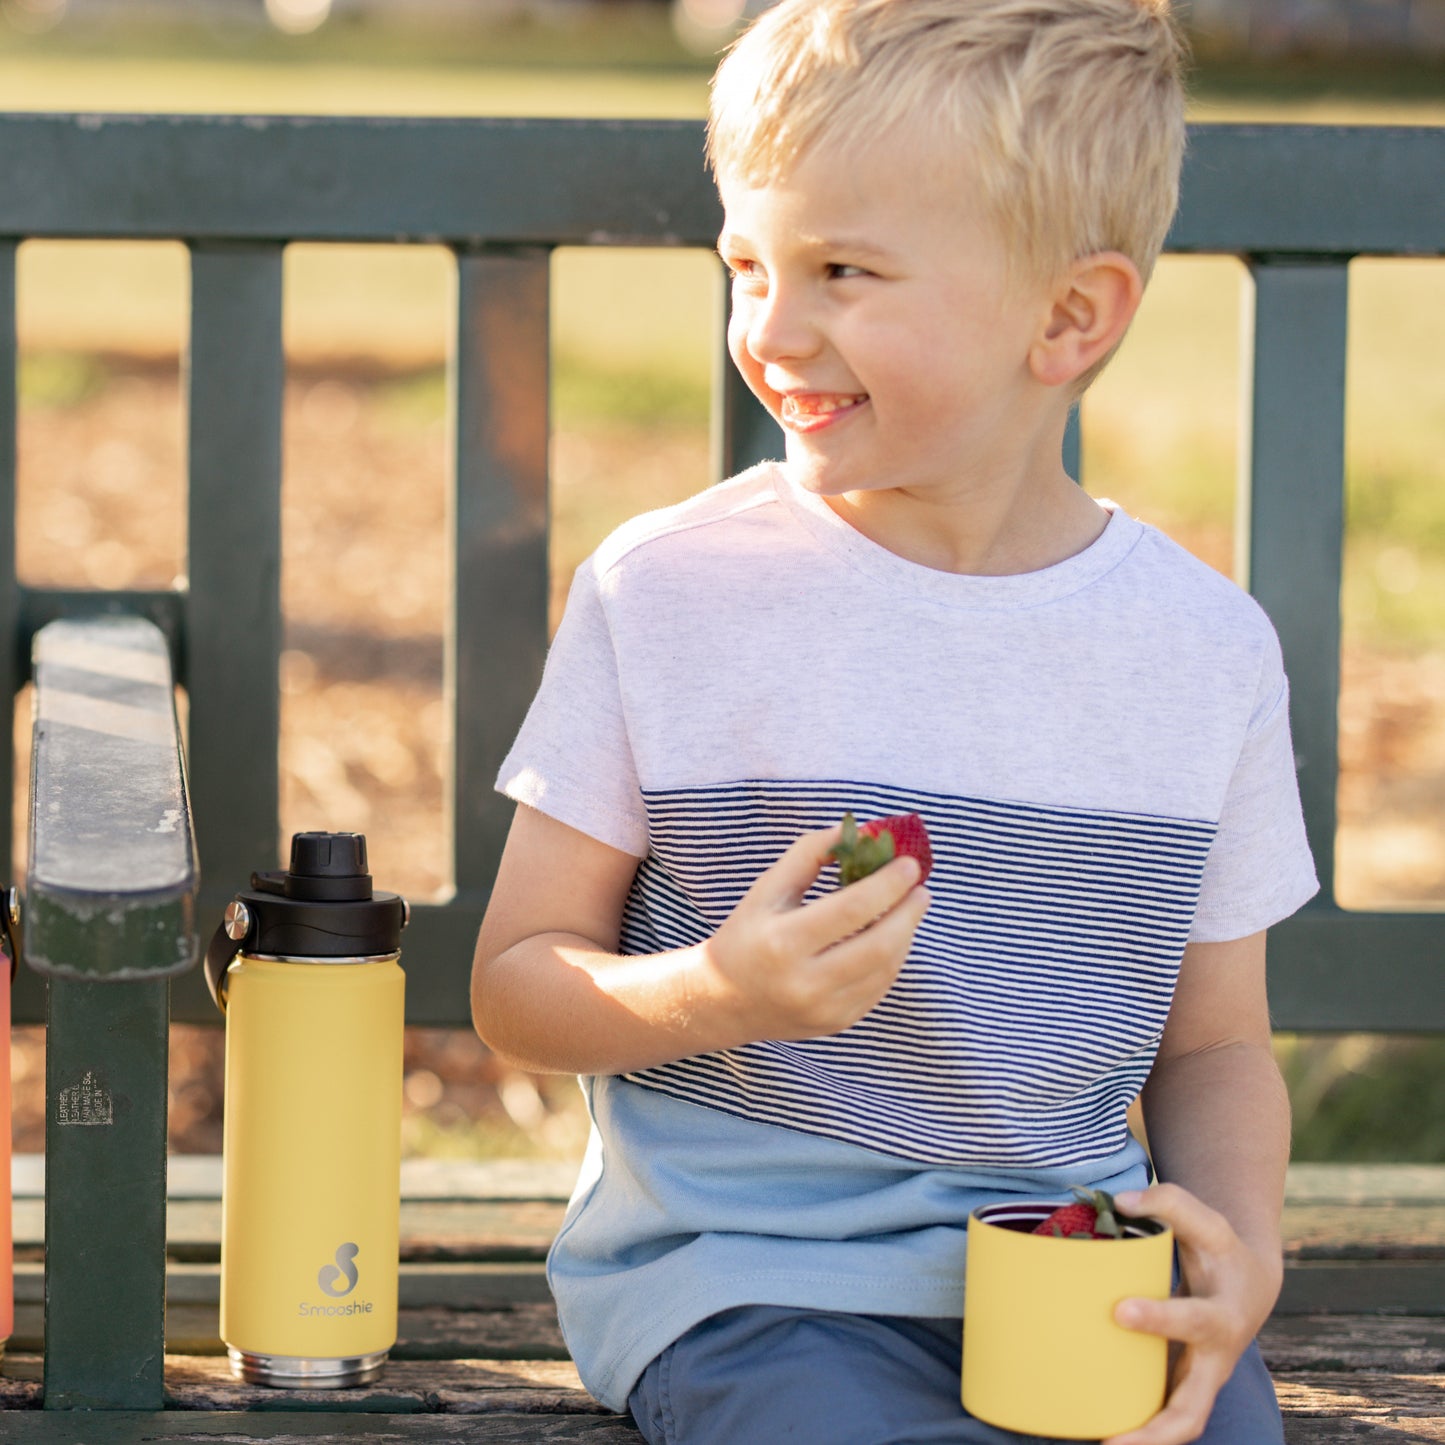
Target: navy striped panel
1028,1014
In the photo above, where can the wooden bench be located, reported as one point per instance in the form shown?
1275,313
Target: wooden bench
1357,1346
125,1348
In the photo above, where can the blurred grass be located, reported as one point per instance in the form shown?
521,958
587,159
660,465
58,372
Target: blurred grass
1365,1098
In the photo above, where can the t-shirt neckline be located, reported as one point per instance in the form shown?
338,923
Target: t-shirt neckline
955,589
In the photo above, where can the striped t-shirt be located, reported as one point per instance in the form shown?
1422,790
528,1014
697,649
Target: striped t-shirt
1101,753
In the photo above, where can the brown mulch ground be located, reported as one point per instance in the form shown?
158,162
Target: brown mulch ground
101,504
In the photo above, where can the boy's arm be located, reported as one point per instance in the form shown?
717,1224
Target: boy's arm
1217,1116
551,994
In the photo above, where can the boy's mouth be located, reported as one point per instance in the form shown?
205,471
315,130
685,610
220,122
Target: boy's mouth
806,412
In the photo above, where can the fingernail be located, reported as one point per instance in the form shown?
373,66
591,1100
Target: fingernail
1126,1313
1129,1199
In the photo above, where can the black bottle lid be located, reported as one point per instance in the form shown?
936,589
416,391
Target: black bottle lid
323,907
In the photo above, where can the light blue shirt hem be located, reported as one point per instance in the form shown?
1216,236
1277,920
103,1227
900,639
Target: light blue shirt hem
681,1212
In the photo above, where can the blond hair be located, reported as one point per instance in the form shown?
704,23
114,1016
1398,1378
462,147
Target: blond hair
1069,114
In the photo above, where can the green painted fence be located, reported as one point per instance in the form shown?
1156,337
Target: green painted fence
1297,203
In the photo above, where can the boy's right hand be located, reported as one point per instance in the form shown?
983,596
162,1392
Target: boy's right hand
785,969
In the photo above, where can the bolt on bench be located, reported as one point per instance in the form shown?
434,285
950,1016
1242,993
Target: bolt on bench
117,1249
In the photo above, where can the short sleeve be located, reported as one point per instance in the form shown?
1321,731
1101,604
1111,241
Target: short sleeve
572,759
1259,868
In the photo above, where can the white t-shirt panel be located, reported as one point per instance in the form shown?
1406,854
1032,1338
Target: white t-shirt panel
749,633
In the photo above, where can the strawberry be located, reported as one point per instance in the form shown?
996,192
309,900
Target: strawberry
1091,1217
866,847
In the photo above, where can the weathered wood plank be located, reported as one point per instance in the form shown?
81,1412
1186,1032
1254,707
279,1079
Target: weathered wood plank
1409,1229
198,1176
11,672
1365,1183
1319,1407
39,1427
1313,1430
476,1386
197,1382
447,1286
1406,1287
446,1229
1372,1395
529,1330
481,1386
1343,189
310,1427
111,876
525,1331
517,1332
20,1376
496,639
430,1230
463,1386
1292,529
1412,1344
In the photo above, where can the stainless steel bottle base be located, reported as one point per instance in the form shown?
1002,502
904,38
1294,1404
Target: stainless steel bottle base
305,1374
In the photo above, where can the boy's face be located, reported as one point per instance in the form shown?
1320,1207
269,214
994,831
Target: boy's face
874,317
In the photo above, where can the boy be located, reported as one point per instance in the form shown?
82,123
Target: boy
939,217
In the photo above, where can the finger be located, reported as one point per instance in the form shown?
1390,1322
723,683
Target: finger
1191,1321
785,882
882,942
1195,1224
1185,1415
838,915
856,973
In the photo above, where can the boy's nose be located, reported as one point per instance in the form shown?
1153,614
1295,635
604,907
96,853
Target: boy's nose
776,327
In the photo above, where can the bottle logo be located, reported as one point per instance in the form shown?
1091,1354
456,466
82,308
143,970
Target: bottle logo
331,1275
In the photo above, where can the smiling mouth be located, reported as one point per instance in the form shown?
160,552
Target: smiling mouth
810,412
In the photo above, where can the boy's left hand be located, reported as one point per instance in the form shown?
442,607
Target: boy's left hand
1227,1293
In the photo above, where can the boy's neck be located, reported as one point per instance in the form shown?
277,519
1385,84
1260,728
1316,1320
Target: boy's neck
976,530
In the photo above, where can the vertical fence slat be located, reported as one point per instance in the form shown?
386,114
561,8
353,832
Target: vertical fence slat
236,383
105,1287
498,636
12,664
27,1002
1074,445
1292,507
743,431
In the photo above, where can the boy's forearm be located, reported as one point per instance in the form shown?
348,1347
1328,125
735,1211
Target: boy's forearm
557,1003
1218,1123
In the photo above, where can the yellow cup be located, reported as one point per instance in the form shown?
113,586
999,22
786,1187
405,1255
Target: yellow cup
1041,1352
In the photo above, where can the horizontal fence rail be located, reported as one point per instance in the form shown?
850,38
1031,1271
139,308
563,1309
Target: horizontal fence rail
1297,203
1316,190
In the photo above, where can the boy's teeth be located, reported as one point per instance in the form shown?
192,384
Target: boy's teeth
819,405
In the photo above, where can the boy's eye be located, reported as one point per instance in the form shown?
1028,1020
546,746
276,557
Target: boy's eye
737,266
842,271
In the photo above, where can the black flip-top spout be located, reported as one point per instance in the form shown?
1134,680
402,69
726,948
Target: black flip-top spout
325,868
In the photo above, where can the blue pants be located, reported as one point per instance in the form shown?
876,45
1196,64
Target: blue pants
760,1374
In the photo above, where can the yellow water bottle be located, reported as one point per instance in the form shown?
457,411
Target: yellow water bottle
305,967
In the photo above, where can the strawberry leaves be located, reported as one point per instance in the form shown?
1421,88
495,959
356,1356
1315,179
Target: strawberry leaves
864,848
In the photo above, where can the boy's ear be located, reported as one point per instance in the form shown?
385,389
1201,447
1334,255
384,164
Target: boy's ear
1090,309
